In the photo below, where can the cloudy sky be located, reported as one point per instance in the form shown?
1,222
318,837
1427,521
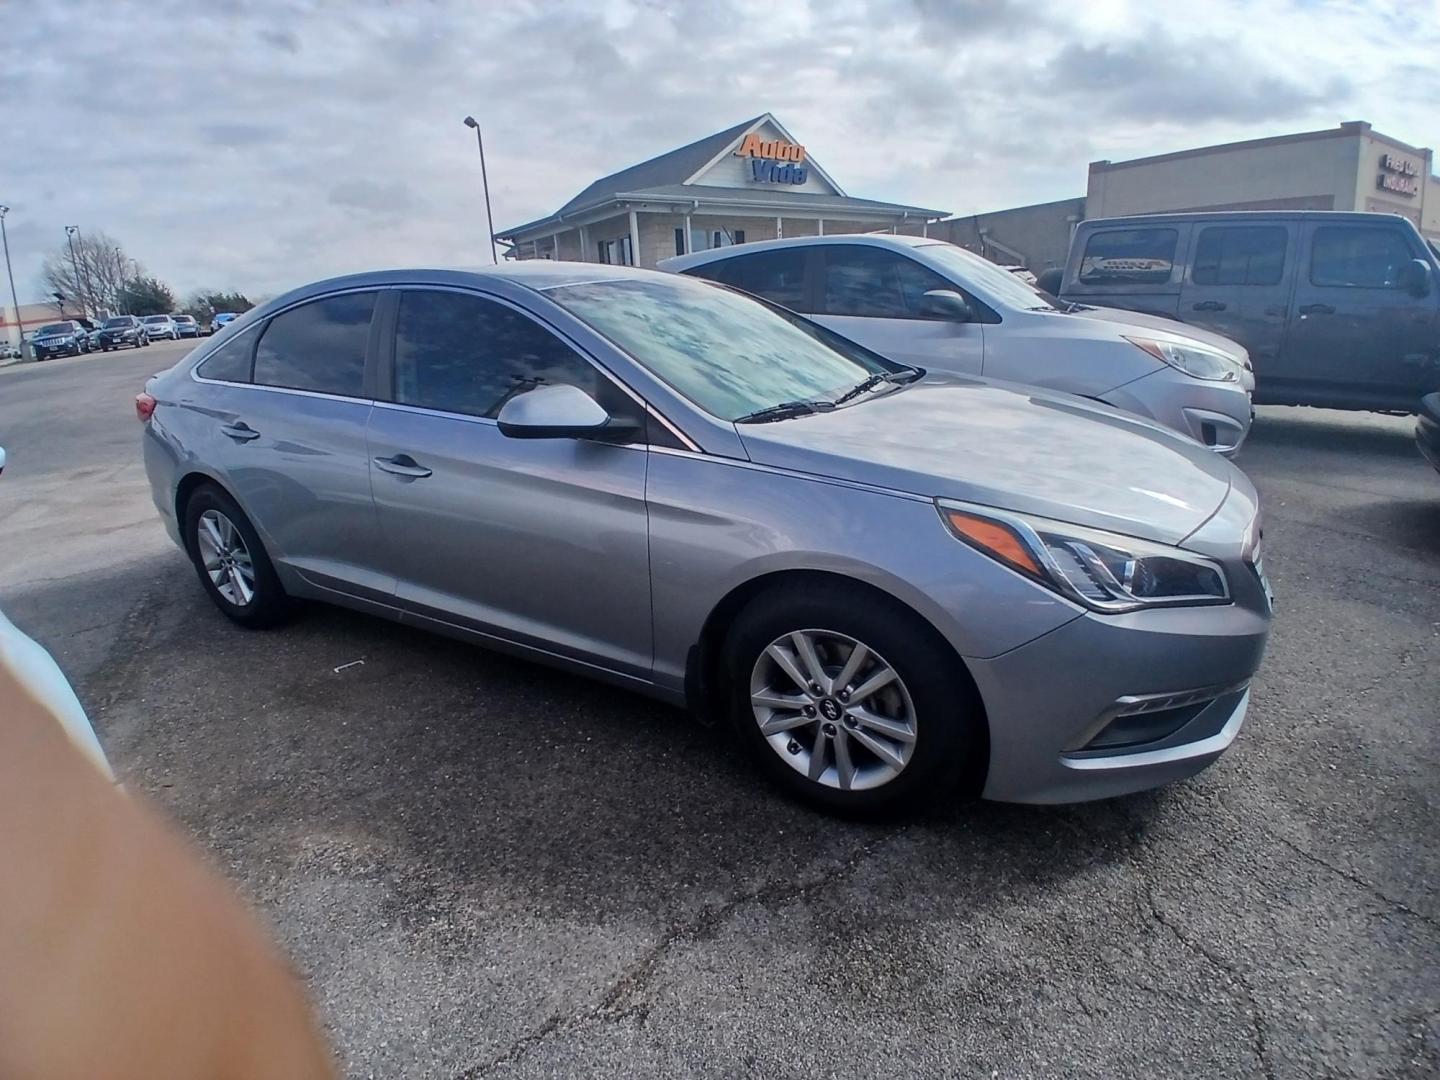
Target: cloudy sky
265,143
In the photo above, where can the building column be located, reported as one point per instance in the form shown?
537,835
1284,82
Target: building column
779,228
556,242
634,238
688,230
821,224
925,228
584,245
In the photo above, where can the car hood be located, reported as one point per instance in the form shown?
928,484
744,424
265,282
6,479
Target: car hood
1011,447
1167,326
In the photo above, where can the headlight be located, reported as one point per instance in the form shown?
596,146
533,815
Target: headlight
1100,570
1193,359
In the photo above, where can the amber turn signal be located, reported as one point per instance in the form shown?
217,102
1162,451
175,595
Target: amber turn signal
994,539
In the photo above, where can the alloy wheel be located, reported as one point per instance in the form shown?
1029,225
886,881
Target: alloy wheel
226,558
833,709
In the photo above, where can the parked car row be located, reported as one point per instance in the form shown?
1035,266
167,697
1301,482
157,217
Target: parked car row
897,580
940,307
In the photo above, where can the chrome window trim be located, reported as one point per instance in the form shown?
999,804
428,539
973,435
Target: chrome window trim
280,389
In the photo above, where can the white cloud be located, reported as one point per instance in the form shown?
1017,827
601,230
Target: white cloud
271,143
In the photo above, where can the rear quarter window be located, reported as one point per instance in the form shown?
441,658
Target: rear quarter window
231,361
1128,257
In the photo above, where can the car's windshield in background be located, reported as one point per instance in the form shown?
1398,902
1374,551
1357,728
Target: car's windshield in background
118,321
56,328
1000,283
729,354
156,318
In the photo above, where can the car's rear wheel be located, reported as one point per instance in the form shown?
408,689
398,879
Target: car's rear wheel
231,560
850,701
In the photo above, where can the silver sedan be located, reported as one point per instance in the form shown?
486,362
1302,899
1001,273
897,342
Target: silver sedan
896,584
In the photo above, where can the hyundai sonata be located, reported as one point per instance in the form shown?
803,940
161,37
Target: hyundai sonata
895,583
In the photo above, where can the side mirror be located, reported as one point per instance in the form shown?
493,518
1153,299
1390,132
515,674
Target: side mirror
1415,277
562,412
946,304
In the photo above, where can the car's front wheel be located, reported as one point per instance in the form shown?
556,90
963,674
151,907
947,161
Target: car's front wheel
231,560
851,701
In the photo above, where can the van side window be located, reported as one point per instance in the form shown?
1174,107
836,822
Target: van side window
1129,257
876,283
1358,256
778,276
1239,255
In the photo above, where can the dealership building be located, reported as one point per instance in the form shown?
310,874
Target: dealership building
1350,167
754,181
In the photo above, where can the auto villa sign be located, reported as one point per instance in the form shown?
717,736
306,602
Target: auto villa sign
1400,175
774,161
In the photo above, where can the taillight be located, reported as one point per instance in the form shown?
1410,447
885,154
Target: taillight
144,407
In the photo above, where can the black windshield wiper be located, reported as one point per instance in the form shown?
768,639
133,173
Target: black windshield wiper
904,376
784,411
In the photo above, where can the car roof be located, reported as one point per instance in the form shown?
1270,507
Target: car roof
881,240
1248,216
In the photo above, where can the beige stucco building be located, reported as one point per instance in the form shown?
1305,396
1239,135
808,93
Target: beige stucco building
1349,167
754,181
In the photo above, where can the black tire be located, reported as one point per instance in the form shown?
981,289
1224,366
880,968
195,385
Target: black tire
948,757
268,605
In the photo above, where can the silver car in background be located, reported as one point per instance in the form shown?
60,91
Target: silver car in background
896,583
938,306
160,326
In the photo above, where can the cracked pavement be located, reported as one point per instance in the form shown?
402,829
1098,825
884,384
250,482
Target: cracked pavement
485,868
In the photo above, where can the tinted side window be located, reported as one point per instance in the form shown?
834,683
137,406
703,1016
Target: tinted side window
1239,255
876,283
318,346
778,276
1128,256
466,354
1358,256
231,361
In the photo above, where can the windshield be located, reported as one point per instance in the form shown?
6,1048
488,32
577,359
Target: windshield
156,318
728,353
183,318
999,283
56,328
118,321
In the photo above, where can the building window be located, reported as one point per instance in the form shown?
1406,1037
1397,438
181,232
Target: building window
679,241
605,251
1358,256
739,235
1239,255
627,255
1129,257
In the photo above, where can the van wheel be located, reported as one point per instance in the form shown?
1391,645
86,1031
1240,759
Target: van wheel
851,702
231,561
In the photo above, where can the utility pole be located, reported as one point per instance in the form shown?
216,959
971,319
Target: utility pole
485,183
14,299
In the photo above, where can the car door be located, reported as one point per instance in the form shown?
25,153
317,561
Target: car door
286,422
538,541
1238,283
1357,336
872,296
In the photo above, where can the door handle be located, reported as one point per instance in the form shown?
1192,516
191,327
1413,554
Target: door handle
1208,305
240,431
1317,309
402,465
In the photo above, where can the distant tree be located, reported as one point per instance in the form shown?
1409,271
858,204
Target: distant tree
103,269
147,296
205,303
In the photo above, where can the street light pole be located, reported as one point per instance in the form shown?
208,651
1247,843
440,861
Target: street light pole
485,182
70,231
14,298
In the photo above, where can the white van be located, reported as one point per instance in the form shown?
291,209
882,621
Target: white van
934,305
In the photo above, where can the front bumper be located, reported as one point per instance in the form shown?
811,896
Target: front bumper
1054,741
1214,414
57,349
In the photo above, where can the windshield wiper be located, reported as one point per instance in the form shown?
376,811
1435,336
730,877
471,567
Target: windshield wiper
866,385
784,411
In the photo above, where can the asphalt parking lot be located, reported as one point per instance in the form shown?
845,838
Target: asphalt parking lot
485,868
